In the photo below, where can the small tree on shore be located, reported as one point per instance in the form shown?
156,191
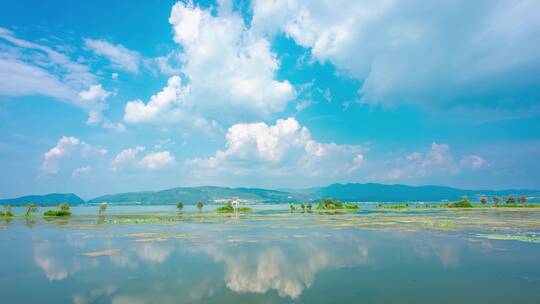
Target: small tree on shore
7,209
180,206
483,200
303,207
495,200
523,199
465,199
64,206
292,208
510,200
30,208
309,206
102,208
200,205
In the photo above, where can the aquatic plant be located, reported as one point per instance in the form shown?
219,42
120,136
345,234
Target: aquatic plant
180,206
495,200
229,208
200,205
292,207
351,206
63,206
303,207
483,200
7,212
31,208
510,200
462,204
57,213
309,206
400,206
519,206
102,208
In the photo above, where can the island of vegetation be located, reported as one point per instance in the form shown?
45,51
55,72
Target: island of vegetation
229,208
329,204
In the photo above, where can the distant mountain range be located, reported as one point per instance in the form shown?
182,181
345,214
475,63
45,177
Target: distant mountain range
370,192
191,195
45,200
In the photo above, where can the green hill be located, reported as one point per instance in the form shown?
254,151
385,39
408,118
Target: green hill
191,195
346,192
383,192
44,200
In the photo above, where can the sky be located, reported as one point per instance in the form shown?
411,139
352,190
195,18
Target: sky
103,97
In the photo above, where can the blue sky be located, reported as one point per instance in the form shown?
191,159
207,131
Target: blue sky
99,97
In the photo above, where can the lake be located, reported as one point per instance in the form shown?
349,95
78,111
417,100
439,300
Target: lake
271,256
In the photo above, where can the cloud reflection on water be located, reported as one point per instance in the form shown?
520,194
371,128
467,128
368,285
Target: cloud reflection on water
288,269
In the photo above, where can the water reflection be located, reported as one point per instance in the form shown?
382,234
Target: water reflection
287,269
154,252
234,263
53,265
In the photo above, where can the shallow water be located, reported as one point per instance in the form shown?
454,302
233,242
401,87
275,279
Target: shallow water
272,256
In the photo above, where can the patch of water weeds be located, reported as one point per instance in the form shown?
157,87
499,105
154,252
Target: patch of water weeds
529,238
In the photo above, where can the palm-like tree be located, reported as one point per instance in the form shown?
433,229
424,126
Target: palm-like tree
102,208
200,205
180,206
30,208
63,206
309,206
483,200
523,199
495,200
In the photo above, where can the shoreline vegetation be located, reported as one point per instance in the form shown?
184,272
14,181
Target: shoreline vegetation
327,205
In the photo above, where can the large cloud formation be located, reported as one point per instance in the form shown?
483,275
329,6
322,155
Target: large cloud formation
285,149
441,54
228,73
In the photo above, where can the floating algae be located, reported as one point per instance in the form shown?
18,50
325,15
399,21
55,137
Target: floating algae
149,237
101,253
532,238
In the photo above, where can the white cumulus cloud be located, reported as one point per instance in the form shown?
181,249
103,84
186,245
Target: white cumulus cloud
130,158
81,171
231,73
66,147
285,149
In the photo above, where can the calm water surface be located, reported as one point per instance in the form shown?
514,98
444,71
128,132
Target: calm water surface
289,260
